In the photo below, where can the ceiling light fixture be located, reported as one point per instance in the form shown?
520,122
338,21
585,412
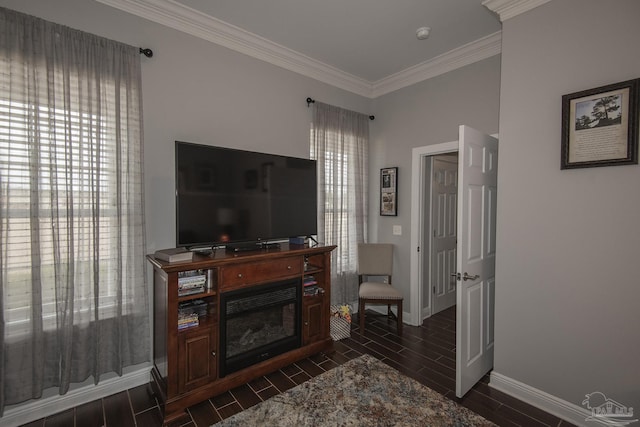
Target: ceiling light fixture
422,33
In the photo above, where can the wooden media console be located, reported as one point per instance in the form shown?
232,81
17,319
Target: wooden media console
192,331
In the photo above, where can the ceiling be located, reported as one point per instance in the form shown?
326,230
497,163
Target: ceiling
365,46
370,39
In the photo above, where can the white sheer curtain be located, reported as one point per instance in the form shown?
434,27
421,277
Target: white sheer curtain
73,297
339,142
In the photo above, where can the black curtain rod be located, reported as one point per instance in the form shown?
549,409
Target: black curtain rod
311,101
146,52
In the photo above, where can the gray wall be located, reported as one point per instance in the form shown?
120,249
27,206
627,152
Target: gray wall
567,285
196,91
426,113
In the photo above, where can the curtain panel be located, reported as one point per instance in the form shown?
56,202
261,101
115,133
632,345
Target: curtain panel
73,292
340,144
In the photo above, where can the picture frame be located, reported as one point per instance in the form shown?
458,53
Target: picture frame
600,126
389,191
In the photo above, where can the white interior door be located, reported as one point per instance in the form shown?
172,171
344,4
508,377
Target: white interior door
477,176
444,209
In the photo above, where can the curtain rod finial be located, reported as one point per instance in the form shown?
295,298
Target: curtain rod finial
146,52
310,101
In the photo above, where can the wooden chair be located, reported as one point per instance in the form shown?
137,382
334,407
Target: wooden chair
376,259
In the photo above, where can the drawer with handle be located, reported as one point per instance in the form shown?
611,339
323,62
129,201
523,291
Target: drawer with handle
260,272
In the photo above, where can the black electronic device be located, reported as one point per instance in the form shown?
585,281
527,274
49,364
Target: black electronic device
228,197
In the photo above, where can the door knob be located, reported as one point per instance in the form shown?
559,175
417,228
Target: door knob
467,277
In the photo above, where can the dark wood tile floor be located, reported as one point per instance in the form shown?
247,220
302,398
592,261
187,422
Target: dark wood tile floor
425,353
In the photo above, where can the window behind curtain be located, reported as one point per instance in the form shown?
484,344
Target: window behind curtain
73,289
82,209
339,142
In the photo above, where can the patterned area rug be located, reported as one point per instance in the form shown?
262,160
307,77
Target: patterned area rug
362,392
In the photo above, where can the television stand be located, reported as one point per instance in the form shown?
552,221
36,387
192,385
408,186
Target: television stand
187,361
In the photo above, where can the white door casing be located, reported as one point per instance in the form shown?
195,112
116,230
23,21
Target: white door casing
444,209
477,190
420,242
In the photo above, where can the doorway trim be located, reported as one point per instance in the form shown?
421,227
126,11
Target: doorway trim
418,189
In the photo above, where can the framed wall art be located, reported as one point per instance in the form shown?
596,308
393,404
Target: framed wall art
389,191
600,126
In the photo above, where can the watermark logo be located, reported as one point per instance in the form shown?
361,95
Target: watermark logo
607,411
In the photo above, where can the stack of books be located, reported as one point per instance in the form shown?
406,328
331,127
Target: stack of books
191,282
187,321
189,313
311,286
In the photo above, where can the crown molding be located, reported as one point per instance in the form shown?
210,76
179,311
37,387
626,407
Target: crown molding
507,9
467,54
182,18
190,21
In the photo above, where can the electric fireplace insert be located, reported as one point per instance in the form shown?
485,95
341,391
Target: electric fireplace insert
259,323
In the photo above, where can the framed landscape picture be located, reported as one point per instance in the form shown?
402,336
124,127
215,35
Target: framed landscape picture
600,126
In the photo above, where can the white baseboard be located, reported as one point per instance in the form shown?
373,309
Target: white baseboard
554,405
34,410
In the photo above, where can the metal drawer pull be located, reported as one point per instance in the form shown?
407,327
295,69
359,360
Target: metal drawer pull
288,267
239,275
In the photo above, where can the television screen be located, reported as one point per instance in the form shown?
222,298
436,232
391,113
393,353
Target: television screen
227,196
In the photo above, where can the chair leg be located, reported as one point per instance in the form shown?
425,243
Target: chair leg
390,314
361,316
399,318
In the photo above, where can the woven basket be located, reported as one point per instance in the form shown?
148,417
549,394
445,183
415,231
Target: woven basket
339,325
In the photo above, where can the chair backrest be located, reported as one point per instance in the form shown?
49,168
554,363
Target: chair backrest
375,259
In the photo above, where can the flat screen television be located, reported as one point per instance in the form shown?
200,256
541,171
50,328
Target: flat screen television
226,196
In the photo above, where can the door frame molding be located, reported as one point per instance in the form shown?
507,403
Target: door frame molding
418,155
416,269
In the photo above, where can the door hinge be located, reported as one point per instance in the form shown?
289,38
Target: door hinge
434,290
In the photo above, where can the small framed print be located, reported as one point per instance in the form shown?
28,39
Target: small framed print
389,191
600,126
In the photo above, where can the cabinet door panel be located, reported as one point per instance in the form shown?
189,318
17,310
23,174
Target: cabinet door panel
312,320
196,359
